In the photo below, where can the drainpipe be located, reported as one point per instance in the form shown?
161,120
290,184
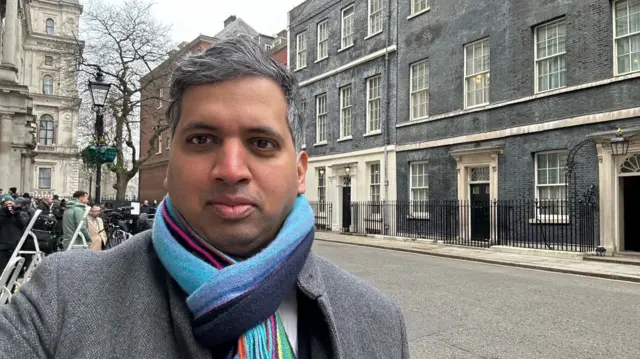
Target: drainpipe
288,40
386,117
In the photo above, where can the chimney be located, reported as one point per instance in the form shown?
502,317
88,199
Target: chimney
229,20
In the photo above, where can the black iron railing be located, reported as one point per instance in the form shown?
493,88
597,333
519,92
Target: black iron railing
550,224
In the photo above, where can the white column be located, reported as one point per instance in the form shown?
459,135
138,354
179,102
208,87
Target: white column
607,194
6,124
9,36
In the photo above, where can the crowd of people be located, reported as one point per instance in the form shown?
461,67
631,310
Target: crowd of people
57,222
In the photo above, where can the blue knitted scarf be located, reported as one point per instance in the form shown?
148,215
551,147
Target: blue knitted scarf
234,302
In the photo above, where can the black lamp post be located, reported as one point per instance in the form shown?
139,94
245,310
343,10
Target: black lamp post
99,92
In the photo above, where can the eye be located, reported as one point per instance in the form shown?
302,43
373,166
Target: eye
264,144
199,140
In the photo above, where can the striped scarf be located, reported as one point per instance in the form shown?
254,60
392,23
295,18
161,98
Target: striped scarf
234,303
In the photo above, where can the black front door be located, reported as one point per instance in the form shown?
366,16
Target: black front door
480,211
346,208
631,186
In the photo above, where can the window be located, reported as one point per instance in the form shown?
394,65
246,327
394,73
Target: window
347,27
47,85
322,188
323,40
550,182
627,36
160,97
476,73
345,112
418,6
419,90
419,187
301,51
45,137
268,47
48,60
44,178
374,186
321,118
49,25
549,51
375,17
373,103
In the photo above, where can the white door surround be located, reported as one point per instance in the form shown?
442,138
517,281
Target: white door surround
337,174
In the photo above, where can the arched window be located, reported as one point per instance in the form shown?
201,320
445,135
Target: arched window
45,137
47,85
50,24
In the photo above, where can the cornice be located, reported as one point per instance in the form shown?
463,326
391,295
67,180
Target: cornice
43,4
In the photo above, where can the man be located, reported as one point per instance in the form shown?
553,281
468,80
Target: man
96,229
226,271
73,216
144,208
13,222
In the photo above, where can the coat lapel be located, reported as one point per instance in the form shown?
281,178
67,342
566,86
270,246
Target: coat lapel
311,284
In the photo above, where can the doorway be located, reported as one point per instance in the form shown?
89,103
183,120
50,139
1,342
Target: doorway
480,211
346,204
631,195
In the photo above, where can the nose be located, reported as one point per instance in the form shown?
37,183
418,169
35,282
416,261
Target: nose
230,165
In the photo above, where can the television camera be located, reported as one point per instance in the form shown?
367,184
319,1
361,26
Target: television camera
121,217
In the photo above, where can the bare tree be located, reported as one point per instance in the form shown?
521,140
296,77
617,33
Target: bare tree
125,42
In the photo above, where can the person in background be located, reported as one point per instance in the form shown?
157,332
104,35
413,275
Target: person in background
13,221
96,229
73,216
144,208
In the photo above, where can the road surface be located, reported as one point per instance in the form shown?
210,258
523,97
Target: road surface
461,309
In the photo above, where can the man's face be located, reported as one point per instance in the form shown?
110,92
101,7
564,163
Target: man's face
232,170
146,203
95,211
84,199
8,203
48,201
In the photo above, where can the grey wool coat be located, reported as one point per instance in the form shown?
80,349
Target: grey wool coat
122,303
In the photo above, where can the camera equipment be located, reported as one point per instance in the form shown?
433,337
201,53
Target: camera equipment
119,214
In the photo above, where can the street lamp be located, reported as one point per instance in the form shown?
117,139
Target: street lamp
99,93
619,144
347,170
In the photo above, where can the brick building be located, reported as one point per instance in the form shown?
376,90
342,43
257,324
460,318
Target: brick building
485,100
155,96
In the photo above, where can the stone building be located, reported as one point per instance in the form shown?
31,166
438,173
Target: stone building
39,101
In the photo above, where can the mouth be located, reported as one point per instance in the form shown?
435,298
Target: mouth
232,209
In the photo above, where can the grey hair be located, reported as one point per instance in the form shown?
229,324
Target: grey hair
229,59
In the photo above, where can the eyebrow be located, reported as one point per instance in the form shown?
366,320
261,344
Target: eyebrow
203,126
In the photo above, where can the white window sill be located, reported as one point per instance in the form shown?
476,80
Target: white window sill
372,133
320,60
549,90
477,106
416,215
300,68
318,144
418,13
347,138
550,220
625,73
345,48
423,118
373,35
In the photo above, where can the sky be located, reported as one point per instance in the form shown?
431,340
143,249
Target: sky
190,18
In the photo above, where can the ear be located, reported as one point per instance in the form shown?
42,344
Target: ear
302,171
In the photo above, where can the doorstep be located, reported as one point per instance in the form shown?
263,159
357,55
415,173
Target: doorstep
539,252
617,259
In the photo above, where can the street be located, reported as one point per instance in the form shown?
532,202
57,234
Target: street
462,309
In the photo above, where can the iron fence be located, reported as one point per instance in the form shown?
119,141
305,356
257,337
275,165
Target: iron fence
323,212
549,224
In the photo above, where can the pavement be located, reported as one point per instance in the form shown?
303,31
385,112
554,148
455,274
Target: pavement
464,309
554,261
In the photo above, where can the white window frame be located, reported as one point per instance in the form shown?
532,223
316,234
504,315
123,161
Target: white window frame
322,37
168,141
551,218
321,175
416,12
49,23
375,186
301,51
373,17
321,114
346,39
303,109
617,38
481,73
538,61
371,101
346,112
44,85
48,119
50,177
159,151
412,91
418,214
160,96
